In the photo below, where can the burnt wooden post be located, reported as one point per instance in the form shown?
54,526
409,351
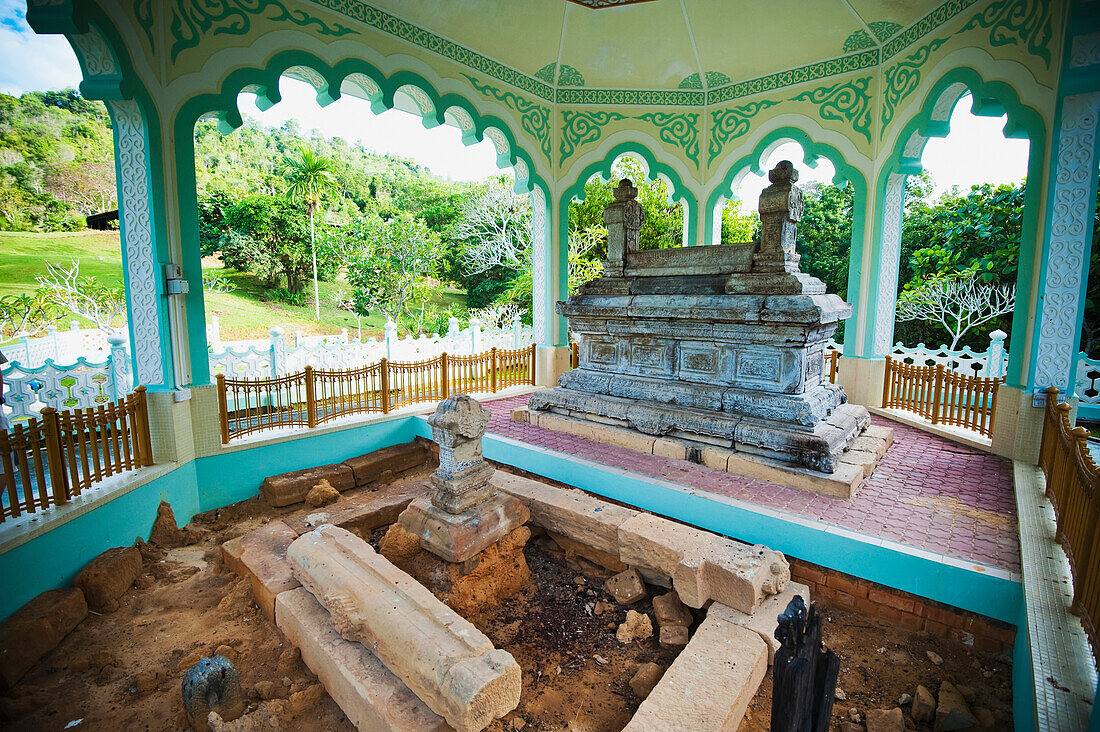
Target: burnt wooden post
804,674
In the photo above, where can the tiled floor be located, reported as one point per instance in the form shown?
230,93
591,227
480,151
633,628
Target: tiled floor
927,492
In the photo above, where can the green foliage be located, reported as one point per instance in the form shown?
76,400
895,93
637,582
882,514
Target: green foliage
393,260
739,226
56,161
275,245
26,314
825,235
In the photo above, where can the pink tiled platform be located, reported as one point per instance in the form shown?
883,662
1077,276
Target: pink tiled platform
927,492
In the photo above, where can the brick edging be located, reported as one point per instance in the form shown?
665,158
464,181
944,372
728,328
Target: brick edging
904,609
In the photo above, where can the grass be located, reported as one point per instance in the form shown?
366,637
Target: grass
243,313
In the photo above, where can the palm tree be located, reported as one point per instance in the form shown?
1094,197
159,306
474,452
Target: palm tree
310,176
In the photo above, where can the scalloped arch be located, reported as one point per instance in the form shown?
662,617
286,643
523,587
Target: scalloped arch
679,191
991,99
811,150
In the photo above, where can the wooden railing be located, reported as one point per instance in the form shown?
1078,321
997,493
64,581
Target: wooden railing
832,361
314,396
1073,486
941,396
49,460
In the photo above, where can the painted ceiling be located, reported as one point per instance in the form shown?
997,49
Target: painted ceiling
662,44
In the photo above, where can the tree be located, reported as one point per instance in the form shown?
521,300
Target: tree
26,315
64,288
268,236
825,235
496,229
956,302
395,258
738,227
310,177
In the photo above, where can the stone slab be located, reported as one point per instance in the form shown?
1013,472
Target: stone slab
35,629
260,557
293,487
367,692
601,433
364,511
763,622
374,466
447,662
709,685
568,511
703,566
108,576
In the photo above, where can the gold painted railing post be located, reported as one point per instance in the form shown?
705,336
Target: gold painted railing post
937,394
444,384
311,401
9,486
531,365
493,371
1085,563
223,409
59,483
141,417
886,382
384,372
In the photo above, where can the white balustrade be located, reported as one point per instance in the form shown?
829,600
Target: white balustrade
1086,386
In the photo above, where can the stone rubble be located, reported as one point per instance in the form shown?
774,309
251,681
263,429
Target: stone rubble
35,629
626,587
108,576
952,712
322,494
669,611
637,626
645,679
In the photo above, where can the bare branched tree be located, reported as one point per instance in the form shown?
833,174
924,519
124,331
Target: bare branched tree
957,302
84,296
25,315
496,226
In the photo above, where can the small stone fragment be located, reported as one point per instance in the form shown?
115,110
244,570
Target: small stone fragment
212,685
904,699
637,626
924,705
674,636
885,720
952,713
853,714
934,657
602,607
307,698
669,611
840,695
645,679
264,719
626,587
289,660
144,582
519,723
147,681
322,494
266,689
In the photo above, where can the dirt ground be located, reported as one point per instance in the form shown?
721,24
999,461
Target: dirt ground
123,670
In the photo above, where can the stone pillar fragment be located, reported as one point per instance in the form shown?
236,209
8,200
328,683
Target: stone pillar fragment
446,661
464,514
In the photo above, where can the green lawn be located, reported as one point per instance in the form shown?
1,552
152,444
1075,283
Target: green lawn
243,313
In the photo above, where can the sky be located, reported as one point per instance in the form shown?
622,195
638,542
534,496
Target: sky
975,151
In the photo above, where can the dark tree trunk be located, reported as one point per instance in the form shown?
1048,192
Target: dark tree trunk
804,674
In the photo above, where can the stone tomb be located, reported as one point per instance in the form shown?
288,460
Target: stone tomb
717,346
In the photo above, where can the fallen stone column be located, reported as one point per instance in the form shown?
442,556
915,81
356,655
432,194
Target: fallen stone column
446,661
703,566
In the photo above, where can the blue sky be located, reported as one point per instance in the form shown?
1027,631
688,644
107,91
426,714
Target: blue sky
975,152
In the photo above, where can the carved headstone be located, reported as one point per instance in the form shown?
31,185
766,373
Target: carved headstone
464,513
780,210
623,218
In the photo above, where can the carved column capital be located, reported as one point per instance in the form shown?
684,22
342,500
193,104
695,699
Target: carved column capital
624,218
781,207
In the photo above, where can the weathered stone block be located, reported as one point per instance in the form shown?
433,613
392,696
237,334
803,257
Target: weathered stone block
260,557
569,512
363,511
371,467
108,576
952,712
293,487
674,636
574,548
626,587
35,629
645,679
703,566
763,621
371,696
669,611
457,537
709,685
442,657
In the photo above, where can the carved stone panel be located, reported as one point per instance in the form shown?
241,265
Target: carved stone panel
651,356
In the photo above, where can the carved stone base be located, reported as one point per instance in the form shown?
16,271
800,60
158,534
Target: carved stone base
817,447
456,537
852,465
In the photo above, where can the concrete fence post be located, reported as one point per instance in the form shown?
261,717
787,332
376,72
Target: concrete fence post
214,333
391,336
120,366
995,356
475,336
278,351
515,330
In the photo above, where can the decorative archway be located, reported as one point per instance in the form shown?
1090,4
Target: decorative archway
993,99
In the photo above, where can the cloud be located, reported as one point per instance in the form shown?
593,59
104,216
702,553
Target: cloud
54,64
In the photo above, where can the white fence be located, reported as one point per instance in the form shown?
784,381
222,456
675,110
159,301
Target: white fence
275,357
61,346
81,383
990,363
1086,386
